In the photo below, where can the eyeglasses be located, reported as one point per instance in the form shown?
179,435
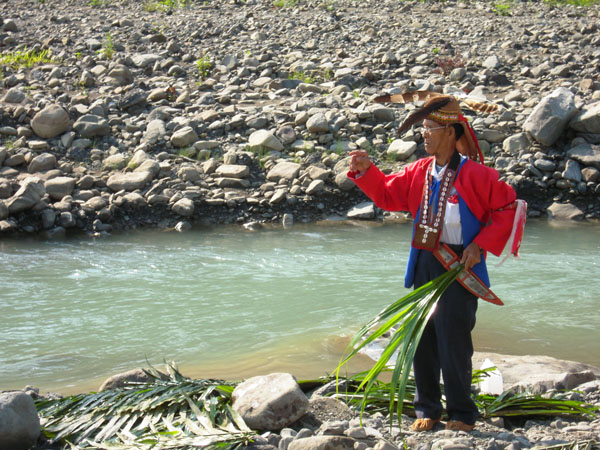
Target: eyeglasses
428,130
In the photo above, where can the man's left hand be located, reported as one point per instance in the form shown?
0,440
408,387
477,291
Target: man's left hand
471,255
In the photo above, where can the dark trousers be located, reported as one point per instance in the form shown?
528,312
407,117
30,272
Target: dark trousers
446,345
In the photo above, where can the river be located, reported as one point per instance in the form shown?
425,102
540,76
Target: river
226,303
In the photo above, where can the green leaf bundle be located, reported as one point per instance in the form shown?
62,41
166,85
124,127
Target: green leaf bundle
405,320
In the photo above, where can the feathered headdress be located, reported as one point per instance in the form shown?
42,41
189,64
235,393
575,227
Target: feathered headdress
444,109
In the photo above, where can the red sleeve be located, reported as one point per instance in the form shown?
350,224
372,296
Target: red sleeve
486,197
396,192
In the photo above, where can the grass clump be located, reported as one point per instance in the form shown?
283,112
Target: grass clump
108,47
26,58
286,3
187,152
503,8
204,65
165,5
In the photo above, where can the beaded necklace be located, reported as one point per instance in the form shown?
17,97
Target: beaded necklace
429,227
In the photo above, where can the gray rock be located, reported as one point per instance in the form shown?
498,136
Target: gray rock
323,443
31,191
123,379
145,60
365,210
270,402
550,117
545,165
264,139
278,197
382,113
516,143
3,155
188,173
138,158
572,171
59,187
19,421
236,183
590,174
233,171
184,137
318,173
317,123
14,95
401,150
155,131
120,75
565,211
91,125
184,207
284,170
343,182
315,187
588,120
128,181
115,162
42,163
50,122
586,154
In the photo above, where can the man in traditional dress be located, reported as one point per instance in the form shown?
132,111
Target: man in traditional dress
460,202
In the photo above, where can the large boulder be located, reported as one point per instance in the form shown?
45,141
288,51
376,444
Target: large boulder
550,117
588,119
565,211
31,191
50,122
19,421
270,402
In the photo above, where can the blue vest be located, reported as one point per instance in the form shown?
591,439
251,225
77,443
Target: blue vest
470,228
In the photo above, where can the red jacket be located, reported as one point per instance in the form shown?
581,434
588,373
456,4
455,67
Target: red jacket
477,184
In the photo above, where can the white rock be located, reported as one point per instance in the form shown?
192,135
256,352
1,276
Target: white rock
184,207
401,150
184,137
270,402
549,118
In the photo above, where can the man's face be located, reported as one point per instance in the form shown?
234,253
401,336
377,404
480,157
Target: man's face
435,135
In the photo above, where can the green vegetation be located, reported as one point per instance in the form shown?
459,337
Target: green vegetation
171,411
503,8
187,152
315,76
204,65
108,47
405,321
286,3
165,5
26,58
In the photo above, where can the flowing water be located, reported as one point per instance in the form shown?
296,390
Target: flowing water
231,304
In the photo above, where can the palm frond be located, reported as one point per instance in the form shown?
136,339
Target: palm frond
406,320
170,411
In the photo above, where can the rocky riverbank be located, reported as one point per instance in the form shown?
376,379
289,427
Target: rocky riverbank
289,419
155,114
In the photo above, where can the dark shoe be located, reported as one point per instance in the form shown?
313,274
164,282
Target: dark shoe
457,425
424,424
